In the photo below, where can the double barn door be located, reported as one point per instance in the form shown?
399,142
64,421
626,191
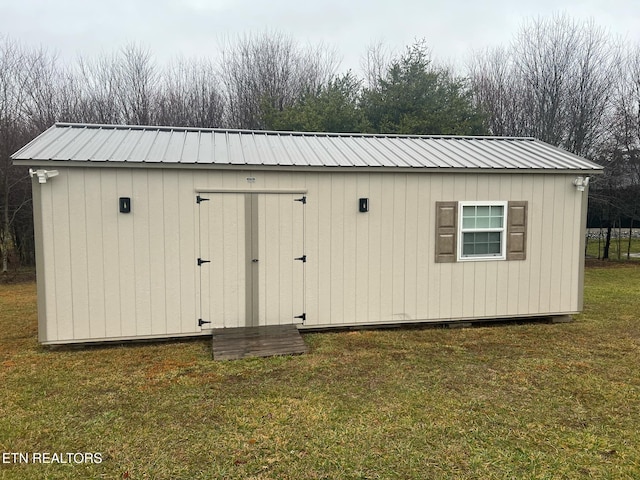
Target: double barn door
251,259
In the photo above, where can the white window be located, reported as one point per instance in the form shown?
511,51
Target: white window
482,230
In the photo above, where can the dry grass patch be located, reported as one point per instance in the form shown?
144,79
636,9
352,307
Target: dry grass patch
510,401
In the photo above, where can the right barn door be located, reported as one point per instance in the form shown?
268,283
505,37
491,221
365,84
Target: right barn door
279,235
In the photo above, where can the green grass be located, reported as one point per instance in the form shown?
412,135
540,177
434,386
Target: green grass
512,401
617,250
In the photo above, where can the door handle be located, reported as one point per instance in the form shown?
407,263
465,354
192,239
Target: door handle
255,260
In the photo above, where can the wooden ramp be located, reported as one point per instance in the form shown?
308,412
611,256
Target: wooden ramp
236,343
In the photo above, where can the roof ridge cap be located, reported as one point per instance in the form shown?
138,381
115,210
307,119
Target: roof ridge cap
285,132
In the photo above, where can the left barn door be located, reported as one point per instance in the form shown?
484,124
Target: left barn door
222,260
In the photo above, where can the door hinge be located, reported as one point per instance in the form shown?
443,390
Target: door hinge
303,317
202,322
301,199
201,261
303,258
200,199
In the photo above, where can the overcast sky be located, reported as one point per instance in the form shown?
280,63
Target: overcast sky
197,28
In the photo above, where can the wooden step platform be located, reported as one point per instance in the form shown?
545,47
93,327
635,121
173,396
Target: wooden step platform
236,343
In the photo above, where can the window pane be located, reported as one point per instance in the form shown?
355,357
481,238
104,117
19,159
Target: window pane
483,222
494,248
497,216
477,241
482,248
481,244
483,211
482,216
468,238
468,245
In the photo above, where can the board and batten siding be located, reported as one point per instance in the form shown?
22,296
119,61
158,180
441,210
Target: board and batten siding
110,275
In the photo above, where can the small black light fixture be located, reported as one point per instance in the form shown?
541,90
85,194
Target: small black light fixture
125,205
363,204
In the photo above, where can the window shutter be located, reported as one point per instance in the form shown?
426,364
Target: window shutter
517,231
446,231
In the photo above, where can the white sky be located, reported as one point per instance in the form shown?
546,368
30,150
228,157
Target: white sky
197,28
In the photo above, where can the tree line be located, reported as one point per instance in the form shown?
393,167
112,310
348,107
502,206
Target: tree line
566,83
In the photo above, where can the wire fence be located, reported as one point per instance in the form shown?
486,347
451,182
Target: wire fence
624,245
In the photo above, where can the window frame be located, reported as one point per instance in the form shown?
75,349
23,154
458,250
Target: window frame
502,230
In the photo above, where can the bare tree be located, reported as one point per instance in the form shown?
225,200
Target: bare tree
616,195
269,71
14,132
375,64
563,82
190,96
554,83
626,119
138,85
99,84
52,92
498,92
119,88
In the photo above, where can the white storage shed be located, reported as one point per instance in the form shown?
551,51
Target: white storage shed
152,232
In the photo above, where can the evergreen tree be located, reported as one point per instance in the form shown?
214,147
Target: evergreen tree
415,97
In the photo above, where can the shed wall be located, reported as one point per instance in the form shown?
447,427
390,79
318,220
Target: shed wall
111,275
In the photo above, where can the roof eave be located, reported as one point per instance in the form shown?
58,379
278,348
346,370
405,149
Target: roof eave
304,168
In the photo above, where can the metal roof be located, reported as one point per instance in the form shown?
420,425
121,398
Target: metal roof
145,145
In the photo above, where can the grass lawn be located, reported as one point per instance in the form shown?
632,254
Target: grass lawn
617,250
512,401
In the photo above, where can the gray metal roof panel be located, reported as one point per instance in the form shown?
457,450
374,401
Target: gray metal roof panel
205,148
95,146
411,152
142,146
493,157
392,149
158,149
174,145
425,155
325,153
373,148
111,142
191,147
235,155
383,148
353,153
57,147
125,148
308,152
480,155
